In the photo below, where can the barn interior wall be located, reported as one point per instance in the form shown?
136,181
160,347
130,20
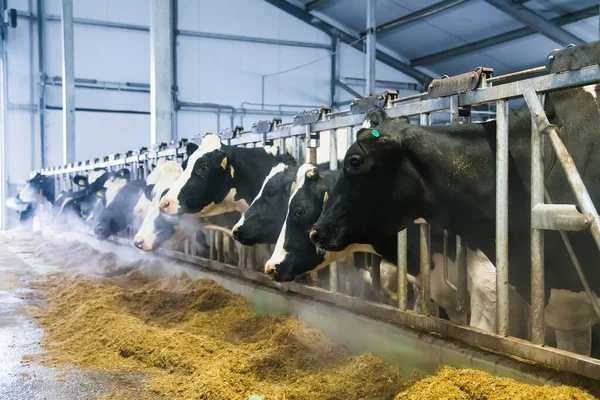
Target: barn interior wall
217,72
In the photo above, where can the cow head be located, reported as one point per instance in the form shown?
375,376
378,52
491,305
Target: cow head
40,187
262,221
294,253
156,227
381,181
121,196
93,205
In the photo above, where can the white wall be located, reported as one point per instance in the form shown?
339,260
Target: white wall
208,70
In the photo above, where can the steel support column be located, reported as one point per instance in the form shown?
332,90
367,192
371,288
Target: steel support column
3,163
502,306
42,81
370,57
68,78
161,71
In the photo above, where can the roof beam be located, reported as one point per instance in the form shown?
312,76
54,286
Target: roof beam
527,17
317,4
416,16
501,39
349,39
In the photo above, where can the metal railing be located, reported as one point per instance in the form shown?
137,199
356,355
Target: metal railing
305,132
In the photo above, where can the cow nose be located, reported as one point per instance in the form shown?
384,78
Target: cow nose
271,270
236,232
314,236
139,243
169,206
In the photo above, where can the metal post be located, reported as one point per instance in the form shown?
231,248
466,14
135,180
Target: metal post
335,43
424,236
333,270
537,238
461,246
502,305
349,137
68,82
370,55
402,268
161,71
174,87
42,83
3,162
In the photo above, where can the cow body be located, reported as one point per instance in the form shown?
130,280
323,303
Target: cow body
446,174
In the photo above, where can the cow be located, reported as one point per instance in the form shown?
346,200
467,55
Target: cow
38,188
86,203
220,179
294,254
121,196
447,175
143,204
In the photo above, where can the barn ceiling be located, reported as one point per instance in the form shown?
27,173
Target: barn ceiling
454,36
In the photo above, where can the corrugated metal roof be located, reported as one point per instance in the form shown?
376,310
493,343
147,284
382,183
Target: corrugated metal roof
469,22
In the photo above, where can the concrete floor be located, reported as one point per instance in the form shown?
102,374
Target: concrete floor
21,377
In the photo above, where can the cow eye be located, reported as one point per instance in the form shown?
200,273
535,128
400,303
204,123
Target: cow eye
298,212
202,170
271,193
355,162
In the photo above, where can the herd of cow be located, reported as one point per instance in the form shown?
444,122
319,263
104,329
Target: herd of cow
394,174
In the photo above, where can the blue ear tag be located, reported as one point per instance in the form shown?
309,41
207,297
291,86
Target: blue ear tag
375,132
288,187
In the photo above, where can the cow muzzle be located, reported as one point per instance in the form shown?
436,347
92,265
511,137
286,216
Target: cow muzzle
325,239
169,206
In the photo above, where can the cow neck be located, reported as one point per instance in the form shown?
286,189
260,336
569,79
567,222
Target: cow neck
461,178
250,168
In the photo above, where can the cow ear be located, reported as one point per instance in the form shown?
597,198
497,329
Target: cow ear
224,163
124,173
325,198
293,189
148,191
100,193
312,174
80,180
190,148
375,117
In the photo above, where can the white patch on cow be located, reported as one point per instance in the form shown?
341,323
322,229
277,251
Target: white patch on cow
228,204
12,203
209,143
28,194
591,89
279,253
170,171
569,311
366,124
95,175
273,150
113,187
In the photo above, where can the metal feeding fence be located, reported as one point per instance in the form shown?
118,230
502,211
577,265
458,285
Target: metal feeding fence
566,68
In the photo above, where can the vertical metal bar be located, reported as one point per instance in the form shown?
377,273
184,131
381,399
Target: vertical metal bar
174,87
42,83
161,74
425,293
537,238
502,305
333,270
402,268
335,42
68,84
3,162
220,247
370,60
461,247
424,236
211,244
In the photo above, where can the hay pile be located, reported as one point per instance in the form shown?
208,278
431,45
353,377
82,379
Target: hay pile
195,340
457,384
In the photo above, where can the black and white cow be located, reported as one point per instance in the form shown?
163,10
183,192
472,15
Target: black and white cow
86,203
446,174
37,190
121,196
295,254
220,179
